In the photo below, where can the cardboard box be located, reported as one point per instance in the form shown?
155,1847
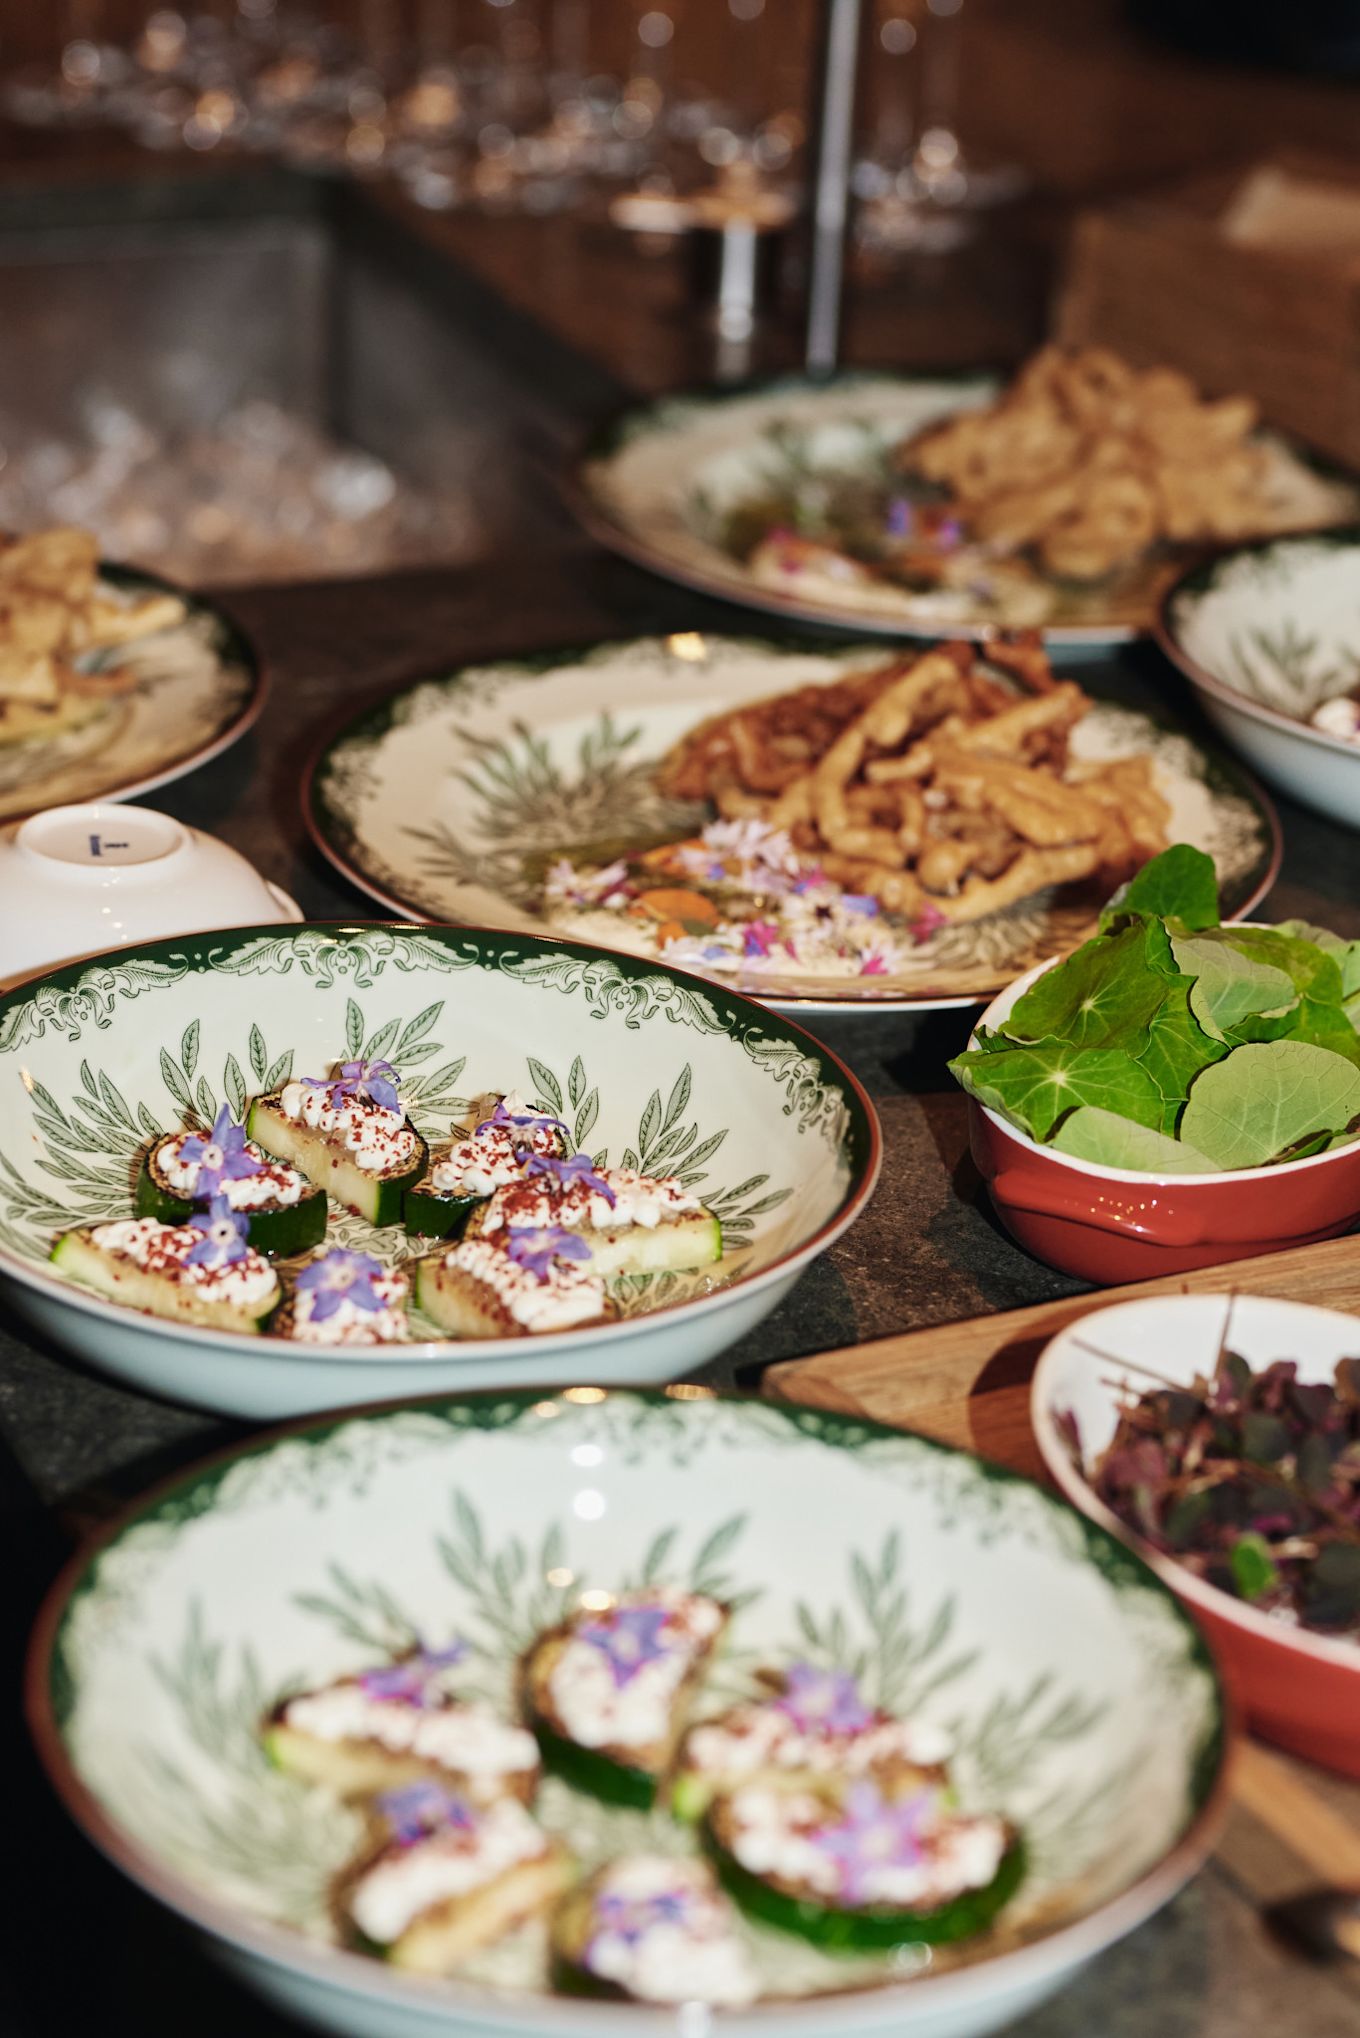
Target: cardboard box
1247,280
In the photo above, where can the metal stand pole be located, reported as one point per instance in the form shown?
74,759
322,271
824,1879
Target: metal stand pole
834,136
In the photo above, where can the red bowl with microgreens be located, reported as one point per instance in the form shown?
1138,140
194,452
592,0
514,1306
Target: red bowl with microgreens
1109,1225
1298,1686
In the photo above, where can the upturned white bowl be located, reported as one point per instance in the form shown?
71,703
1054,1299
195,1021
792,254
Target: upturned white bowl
1266,633
1080,1697
76,880
644,1063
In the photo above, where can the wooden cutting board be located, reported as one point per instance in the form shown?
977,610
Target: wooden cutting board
968,1383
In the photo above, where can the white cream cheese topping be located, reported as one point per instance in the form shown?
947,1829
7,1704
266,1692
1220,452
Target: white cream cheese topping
376,1140
351,1325
570,1294
597,1710
696,1956
164,1249
754,1737
489,1159
407,1881
276,1184
465,1739
646,1200
774,1833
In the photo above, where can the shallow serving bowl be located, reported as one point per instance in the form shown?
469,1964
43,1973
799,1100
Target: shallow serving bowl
644,1063
1117,1224
1300,1689
1266,633
1079,1694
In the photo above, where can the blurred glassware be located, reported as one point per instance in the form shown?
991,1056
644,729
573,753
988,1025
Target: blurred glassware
920,188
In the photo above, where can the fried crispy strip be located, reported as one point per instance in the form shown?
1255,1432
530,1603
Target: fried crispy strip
1032,871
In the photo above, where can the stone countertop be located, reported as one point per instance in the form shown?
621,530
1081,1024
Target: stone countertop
73,1445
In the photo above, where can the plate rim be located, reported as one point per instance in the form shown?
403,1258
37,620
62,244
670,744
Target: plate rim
865,1170
125,572
349,1972
786,1004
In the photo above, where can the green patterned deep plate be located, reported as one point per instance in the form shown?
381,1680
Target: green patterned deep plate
649,1068
1079,1695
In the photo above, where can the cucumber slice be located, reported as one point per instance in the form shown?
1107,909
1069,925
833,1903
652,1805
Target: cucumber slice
430,1215
378,1197
120,1279
463,1306
873,1930
279,1229
599,1775
674,1246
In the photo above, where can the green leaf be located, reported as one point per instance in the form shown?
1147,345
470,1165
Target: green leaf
1313,973
576,1081
1180,884
585,1120
1177,1049
1345,954
1090,1134
679,1098
1252,1565
376,1047
280,1071
188,1050
1037,1086
1229,987
354,1028
651,1122
259,1057
175,1083
1102,995
1265,1098
418,1027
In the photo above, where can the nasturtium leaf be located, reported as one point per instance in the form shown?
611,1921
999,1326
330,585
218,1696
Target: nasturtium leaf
1177,1049
1093,1134
1313,973
1036,1086
1102,995
1325,1026
1180,884
1229,987
1345,954
1263,1099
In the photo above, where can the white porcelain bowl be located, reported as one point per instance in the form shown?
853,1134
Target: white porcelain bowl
77,880
1080,1698
96,1060
1266,633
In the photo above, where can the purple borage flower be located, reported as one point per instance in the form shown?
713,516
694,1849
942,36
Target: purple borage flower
875,1833
341,1276
359,1082
500,1116
535,1246
412,1681
901,517
823,1701
630,1918
759,937
576,1168
861,902
419,1809
223,1156
628,1639
224,1236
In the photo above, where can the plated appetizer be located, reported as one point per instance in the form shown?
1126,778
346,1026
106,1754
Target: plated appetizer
449,1878
531,1280
814,1724
1170,1044
399,1724
346,1298
183,1171
348,1134
202,1271
472,1167
858,1866
652,1928
609,1692
627,1222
